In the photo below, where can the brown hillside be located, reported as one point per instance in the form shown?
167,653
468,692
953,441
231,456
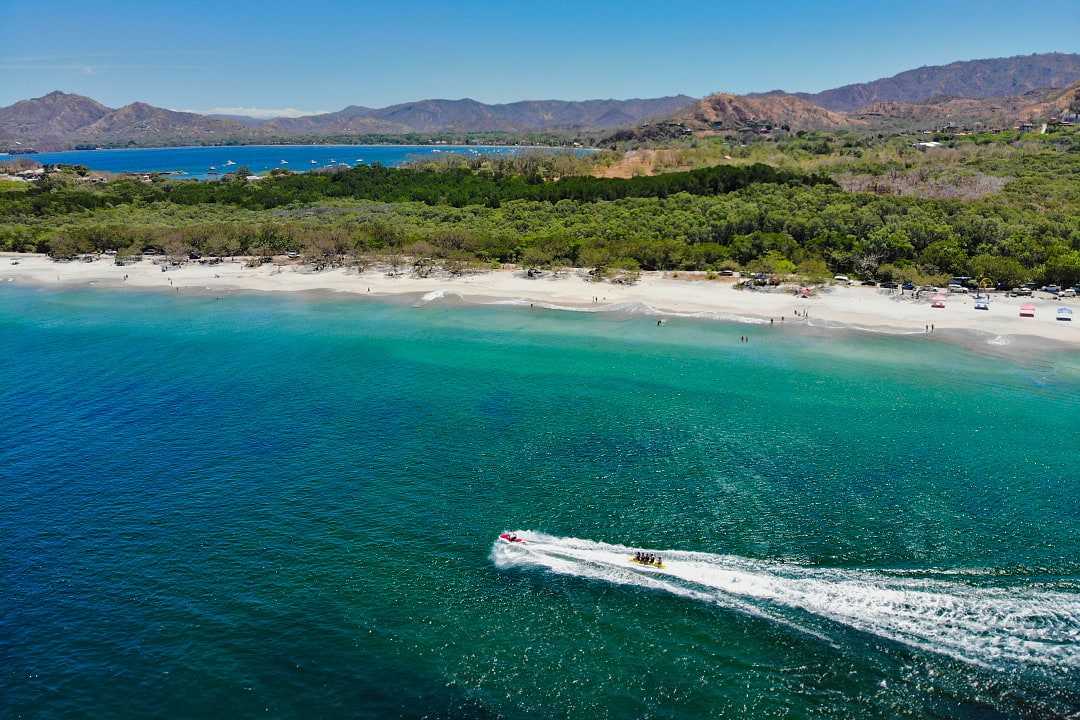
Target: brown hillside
724,111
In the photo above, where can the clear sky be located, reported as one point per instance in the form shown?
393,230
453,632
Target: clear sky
320,55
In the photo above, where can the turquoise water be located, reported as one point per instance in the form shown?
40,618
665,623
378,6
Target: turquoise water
196,162
288,506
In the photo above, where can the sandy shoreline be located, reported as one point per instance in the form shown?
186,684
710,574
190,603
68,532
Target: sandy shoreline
867,309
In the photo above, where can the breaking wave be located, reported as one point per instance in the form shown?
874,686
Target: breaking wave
994,627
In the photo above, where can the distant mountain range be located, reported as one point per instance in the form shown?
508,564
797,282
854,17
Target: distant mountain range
59,120
993,92
995,77
723,112
996,90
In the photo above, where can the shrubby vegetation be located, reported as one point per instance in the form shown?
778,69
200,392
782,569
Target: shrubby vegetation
737,215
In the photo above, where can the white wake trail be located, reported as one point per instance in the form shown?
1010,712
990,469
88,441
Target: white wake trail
987,626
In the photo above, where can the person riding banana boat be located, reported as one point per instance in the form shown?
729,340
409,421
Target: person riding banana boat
648,559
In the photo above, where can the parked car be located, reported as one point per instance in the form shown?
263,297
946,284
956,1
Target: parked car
1020,292
908,285
889,284
1068,292
1052,289
957,289
842,279
868,283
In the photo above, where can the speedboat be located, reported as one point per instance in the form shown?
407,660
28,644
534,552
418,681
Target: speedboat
511,538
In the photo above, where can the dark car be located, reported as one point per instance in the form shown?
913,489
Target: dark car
868,283
890,285
909,285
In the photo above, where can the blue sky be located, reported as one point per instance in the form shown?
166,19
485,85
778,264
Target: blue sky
319,55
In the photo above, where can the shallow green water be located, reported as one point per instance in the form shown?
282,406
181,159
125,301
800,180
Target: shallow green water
288,507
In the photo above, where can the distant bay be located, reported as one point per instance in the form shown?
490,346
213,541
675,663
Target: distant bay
207,162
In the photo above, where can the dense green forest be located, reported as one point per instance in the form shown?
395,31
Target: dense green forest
456,187
1018,218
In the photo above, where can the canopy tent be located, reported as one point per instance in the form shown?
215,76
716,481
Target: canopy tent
1064,313
1027,310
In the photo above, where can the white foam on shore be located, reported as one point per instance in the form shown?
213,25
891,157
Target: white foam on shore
985,626
440,294
632,308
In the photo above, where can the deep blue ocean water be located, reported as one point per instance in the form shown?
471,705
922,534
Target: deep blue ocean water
287,507
202,162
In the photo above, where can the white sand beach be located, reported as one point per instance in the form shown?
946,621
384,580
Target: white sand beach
688,295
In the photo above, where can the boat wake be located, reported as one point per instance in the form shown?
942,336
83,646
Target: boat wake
986,626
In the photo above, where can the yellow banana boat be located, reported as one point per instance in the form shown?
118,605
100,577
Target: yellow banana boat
658,563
